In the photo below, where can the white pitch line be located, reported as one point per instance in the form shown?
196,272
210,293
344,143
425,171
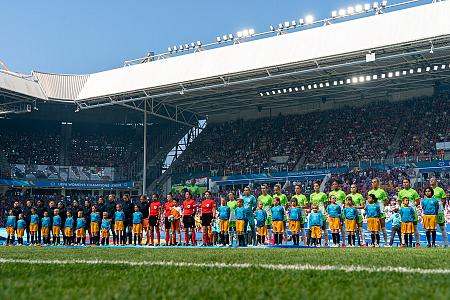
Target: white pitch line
275,267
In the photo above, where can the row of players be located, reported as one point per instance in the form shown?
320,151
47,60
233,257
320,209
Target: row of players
241,214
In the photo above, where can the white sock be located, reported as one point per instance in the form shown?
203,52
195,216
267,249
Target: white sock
444,235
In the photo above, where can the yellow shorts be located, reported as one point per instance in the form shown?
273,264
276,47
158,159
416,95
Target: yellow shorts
137,228
20,232
240,224
262,231
33,227
224,225
316,232
373,224
350,225
118,225
56,230
10,230
278,226
334,223
68,231
45,231
104,233
407,227
175,225
81,233
430,222
95,227
294,226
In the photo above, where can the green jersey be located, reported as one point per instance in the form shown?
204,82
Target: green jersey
301,199
411,194
440,194
267,202
232,205
357,199
283,199
340,196
381,196
318,198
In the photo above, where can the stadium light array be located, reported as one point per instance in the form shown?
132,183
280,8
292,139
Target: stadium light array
357,9
185,47
246,33
309,19
356,79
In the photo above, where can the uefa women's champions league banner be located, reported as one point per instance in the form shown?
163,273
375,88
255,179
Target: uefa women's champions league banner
61,173
423,167
68,184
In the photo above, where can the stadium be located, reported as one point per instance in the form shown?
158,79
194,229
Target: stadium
310,159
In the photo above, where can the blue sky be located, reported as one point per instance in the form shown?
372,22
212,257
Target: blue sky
86,36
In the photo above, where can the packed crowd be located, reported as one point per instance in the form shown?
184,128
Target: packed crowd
346,134
249,219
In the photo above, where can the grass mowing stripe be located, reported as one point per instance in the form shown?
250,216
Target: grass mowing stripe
277,267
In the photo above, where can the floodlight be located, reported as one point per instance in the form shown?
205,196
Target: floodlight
290,90
397,73
186,46
349,81
361,78
327,84
239,34
181,47
358,8
225,37
334,14
368,78
192,45
301,22
303,87
251,31
411,71
435,68
335,82
273,92
267,93
272,28
199,44
296,89
218,39
419,70
383,75
293,23
315,85
341,82
309,86
321,85
342,12
367,7
375,5
230,36
279,91
175,48
384,3
404,72
245,33
428,69
390,74
354,80
309,19
169,49
286,24
350,10
375,77
443,67
261,94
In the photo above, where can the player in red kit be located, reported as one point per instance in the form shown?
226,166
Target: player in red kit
189,209
167,213
207,216
153,219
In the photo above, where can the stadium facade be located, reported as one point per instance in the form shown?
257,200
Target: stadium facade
385,52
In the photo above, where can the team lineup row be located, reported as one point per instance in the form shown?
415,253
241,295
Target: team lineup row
250,219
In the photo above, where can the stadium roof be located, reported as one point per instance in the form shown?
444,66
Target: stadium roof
408,49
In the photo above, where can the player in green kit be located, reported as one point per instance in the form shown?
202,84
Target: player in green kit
320,199
250,207
381,197
358,201
413,196
267,202
440,195
340,200
232,204
303,203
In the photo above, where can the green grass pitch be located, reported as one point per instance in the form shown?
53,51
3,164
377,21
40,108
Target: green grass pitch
109,281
